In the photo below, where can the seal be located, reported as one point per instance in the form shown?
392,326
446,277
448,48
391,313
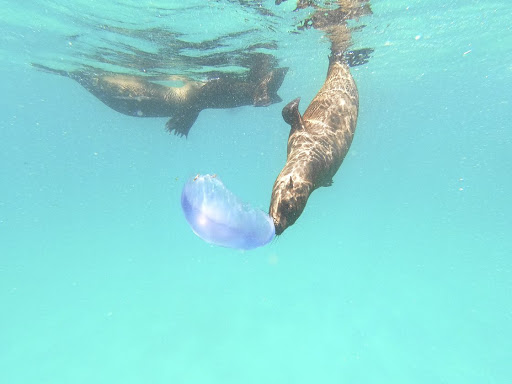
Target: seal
318,142
137,96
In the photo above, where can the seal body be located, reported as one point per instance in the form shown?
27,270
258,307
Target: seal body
317,144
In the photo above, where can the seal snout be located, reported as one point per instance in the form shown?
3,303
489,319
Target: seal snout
279,226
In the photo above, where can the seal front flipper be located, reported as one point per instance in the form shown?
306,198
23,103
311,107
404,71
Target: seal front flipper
291,115
182,121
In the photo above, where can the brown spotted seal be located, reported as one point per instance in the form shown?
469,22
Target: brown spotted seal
319,140
317,144
137,96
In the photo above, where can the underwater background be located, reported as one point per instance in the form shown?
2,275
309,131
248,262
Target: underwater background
400,272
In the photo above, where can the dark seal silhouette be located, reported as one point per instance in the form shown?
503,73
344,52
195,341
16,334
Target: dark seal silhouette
137,96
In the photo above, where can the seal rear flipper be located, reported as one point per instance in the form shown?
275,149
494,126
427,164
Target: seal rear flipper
292,115
182,121
266,91
358,57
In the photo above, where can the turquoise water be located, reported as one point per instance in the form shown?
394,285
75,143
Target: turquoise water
400,272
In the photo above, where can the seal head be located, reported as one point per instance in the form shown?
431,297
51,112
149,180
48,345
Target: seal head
289,199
